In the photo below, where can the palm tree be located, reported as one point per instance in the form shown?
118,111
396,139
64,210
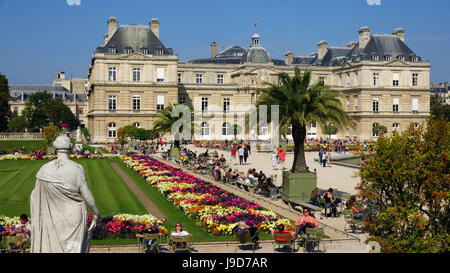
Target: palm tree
163,125
301,103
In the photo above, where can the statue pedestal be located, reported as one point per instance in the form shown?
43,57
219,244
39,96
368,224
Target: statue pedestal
298,186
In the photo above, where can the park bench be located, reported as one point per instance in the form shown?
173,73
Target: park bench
293,203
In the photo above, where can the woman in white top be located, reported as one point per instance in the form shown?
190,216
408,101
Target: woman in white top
179,232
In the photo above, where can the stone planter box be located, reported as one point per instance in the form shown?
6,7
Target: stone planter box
298,186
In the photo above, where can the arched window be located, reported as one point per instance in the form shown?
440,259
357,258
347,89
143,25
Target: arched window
416,125
112,130
395,126
226,129
137,125
205,129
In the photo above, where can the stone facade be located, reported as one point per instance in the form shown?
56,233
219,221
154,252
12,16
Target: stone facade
381,81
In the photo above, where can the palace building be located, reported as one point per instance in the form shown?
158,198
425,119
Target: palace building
133,75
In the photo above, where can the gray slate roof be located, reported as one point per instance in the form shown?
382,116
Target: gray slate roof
23,92
136,37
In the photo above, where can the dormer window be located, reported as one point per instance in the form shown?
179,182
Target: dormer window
401,58
112,50
129,50
159,51
414,58
374,58
388,58
144,51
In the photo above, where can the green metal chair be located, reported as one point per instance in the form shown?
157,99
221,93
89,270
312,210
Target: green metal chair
313,237
186,239
351,222
284,239
148,236
245,239
13,240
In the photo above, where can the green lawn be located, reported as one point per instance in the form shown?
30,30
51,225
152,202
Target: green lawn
17,180
8,145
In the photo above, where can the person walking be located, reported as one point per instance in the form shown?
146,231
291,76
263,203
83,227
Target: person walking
245,154
320,155
233,155
241,155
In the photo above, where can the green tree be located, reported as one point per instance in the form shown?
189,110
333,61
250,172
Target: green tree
379,129
164,122
405,181
50,133
330,129
440,110
5,110
58,113
301,103
17,124
122,135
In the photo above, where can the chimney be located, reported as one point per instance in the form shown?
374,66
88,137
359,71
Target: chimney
288,57
112,28
446,85
351,44
213,49
61,75
154,26
322,49
400,33
364,37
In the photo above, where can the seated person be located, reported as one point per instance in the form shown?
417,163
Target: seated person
3,231
314,199
232,175
306,220
282,230
250,177
149,229
180,232
23,229
222,159
359,213
242,226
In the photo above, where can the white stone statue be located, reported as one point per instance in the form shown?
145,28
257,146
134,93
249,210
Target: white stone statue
78,139
58,205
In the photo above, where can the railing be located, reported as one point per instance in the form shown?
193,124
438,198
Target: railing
20,136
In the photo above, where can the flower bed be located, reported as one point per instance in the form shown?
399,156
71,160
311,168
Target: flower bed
123,226
216,210
50,157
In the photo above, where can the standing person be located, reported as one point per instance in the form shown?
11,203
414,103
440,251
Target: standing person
324,161
241,155
245,154
282,156
249,147
274,159
233,155
329,159
320,155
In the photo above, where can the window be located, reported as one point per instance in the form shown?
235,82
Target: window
137,125
226,129
388,58
375,105
220,79
159,74
416,125
395,105
375,134
340,80
204,104
159,102
205,129
136,74
264,130
415,79
322,80
199,78
80,111
226,104
401,58
414,59
144,51
136,102
374,58
395,127
348,79
112,74
395,78
182,100
129,50
376,78
356,79
112,102
415,105
348,103
112,50
179,78
16,111
112,130
356,103
159,51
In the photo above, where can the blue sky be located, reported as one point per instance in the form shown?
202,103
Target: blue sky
40,38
